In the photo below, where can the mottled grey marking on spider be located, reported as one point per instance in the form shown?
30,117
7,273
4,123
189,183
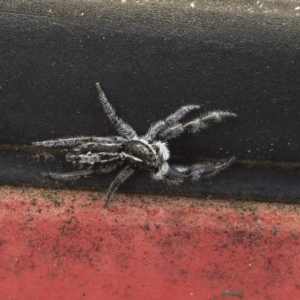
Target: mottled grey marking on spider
148,153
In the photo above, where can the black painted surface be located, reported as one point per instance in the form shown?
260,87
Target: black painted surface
152,58
238,182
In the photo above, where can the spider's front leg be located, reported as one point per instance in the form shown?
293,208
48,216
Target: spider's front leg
195,125
168,122
199,171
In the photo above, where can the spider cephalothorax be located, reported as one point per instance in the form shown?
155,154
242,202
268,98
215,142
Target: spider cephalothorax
148,153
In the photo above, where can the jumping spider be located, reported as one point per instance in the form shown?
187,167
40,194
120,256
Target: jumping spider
148,153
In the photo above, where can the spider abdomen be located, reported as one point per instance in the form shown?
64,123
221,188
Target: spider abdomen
141,155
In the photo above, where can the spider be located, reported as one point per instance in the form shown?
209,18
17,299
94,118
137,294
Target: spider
150,152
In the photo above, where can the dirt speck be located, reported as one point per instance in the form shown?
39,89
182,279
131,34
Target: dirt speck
232,293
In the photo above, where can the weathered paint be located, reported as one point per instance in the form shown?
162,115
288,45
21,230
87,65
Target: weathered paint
58,244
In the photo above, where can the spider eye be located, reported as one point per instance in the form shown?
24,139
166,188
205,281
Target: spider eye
155,148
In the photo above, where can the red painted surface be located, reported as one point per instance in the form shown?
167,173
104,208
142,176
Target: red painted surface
63,245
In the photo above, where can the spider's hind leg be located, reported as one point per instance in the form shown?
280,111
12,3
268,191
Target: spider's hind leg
80,140
71,175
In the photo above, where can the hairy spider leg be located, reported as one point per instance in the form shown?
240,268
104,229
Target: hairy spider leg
203,170
173,176
73,142
195,125
95,147
172,119
122,128
121,177
71,175
101,169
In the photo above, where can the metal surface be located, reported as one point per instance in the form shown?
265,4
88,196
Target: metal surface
63,245
151,58
243,181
